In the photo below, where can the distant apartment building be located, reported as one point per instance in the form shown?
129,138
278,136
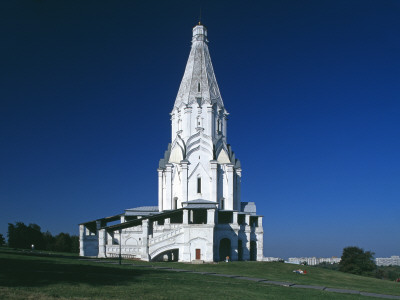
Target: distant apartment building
312,261
388,261
272,259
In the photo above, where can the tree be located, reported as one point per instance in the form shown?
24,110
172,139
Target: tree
2,240
63,242
357,261
22,236
49,241
74,243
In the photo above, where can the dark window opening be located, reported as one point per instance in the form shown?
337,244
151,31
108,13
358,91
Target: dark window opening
225,217
254,221
199,185
242,219
198,87
253,250
225,249
199,216
177,218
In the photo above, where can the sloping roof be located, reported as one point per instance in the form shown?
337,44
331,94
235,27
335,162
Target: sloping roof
200,203
199,79
142,211
106,219
143,208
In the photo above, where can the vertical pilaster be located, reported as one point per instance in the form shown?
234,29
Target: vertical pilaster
167,204
229,200
187,127
238,187
260,246
145,239
102,243
234,252
224,126
260,239
167,223
235,218
214,180
260,221
81,240
110,238
246,246
209,127
173,125
184,178
185,217
160,189
211,216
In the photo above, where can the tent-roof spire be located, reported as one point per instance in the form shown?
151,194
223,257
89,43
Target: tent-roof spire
199,80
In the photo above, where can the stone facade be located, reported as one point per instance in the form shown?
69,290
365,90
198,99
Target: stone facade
199,215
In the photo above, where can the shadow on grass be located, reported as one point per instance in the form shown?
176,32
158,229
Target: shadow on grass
40,253
24,272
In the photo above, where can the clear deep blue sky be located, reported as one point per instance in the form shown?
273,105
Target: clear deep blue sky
312,88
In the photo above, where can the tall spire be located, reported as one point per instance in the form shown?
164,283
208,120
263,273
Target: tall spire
199,82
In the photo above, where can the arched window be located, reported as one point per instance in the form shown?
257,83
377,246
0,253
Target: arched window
175,203
199,185
198,87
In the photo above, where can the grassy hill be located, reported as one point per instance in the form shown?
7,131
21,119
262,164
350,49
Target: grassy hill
27,276
284,272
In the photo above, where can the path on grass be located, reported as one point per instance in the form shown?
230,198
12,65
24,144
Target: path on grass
261,280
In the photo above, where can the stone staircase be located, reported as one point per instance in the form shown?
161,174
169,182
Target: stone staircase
164,241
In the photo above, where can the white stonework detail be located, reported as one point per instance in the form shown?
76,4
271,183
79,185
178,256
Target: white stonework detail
199,215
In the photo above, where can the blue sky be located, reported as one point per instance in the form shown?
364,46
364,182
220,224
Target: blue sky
312,88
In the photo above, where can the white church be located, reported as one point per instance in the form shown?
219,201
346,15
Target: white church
200,215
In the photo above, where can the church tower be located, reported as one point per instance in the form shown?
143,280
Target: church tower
199,216
199,166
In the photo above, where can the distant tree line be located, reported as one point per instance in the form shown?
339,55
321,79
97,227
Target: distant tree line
23,236
2,240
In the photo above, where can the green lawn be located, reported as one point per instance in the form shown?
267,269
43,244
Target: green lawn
284,272
25,276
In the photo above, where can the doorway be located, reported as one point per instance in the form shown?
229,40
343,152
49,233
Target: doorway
198,254
253,250
224,249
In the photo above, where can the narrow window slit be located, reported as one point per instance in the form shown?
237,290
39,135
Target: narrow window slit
199,185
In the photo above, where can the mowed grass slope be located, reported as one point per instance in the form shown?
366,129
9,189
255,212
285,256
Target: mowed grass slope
284,272
24,276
